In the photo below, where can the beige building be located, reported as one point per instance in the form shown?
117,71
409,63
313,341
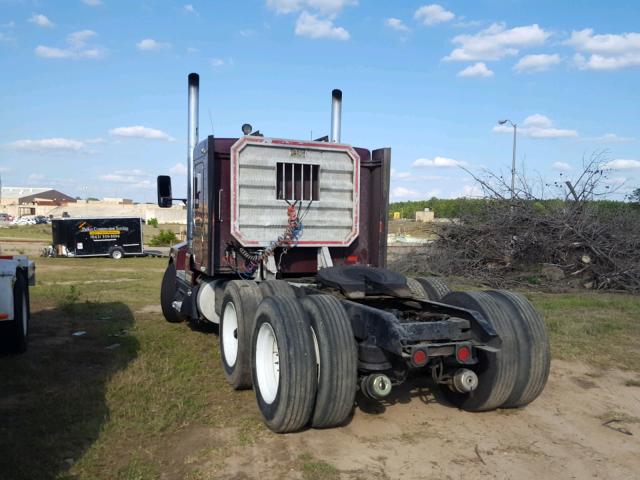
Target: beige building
425,216
19,201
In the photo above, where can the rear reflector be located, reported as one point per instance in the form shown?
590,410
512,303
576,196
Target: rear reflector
463,354
351,259
419,358
4,316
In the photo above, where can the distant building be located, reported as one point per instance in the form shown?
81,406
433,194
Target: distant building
48,197
11,195
425,216
118,201
26,200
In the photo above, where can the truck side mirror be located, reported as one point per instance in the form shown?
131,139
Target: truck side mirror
164,191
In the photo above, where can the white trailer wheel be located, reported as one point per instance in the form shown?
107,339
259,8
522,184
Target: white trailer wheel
230,334
283,365
239,304
267,363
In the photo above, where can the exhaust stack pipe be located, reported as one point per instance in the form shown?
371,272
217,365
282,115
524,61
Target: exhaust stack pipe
336,115
194,90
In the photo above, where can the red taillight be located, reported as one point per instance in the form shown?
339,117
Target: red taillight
351,259
4,316
419,358
463,354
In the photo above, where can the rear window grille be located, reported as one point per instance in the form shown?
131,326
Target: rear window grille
297,181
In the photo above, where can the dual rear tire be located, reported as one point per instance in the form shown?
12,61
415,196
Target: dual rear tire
304,364
514,374
299,354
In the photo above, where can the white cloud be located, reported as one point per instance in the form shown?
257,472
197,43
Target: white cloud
35,177
48,144
325,7
134,179
247,32
397,24
151,45
4,169
138,131
178,169
537,120
537,126
190,9
613,138
438,162
433,14
92,3
400,175
605,52
472,191
496,42
217,62
561,166
476,70
77,47
622,164
41,20
403,192
311,26
536,63
6,38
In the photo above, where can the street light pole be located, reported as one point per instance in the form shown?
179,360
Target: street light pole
513,162
513,158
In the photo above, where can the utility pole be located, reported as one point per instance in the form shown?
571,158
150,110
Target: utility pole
513,158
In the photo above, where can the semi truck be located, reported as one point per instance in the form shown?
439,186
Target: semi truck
17,273
286,254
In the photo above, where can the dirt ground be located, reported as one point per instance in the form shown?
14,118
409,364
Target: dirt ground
585,425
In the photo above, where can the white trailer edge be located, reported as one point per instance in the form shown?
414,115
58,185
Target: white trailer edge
17,273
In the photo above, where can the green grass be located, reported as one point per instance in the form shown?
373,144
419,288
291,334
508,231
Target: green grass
314,469
26,232
85,411
92,412
598,328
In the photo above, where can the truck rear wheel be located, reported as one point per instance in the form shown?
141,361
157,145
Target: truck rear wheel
533,346
283,364
277,287
337,360
239,305
429,288
167,295
497,370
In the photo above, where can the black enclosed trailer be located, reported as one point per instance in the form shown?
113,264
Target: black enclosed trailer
115,237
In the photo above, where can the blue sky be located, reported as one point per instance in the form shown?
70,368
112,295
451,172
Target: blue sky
93,92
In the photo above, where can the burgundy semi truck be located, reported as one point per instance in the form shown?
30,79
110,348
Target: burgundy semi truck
286,253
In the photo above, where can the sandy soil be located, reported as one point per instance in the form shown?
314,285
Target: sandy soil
564,434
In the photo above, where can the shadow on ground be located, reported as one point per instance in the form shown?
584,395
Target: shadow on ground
52,398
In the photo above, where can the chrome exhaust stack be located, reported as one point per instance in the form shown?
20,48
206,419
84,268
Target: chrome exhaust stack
192,132
336,115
